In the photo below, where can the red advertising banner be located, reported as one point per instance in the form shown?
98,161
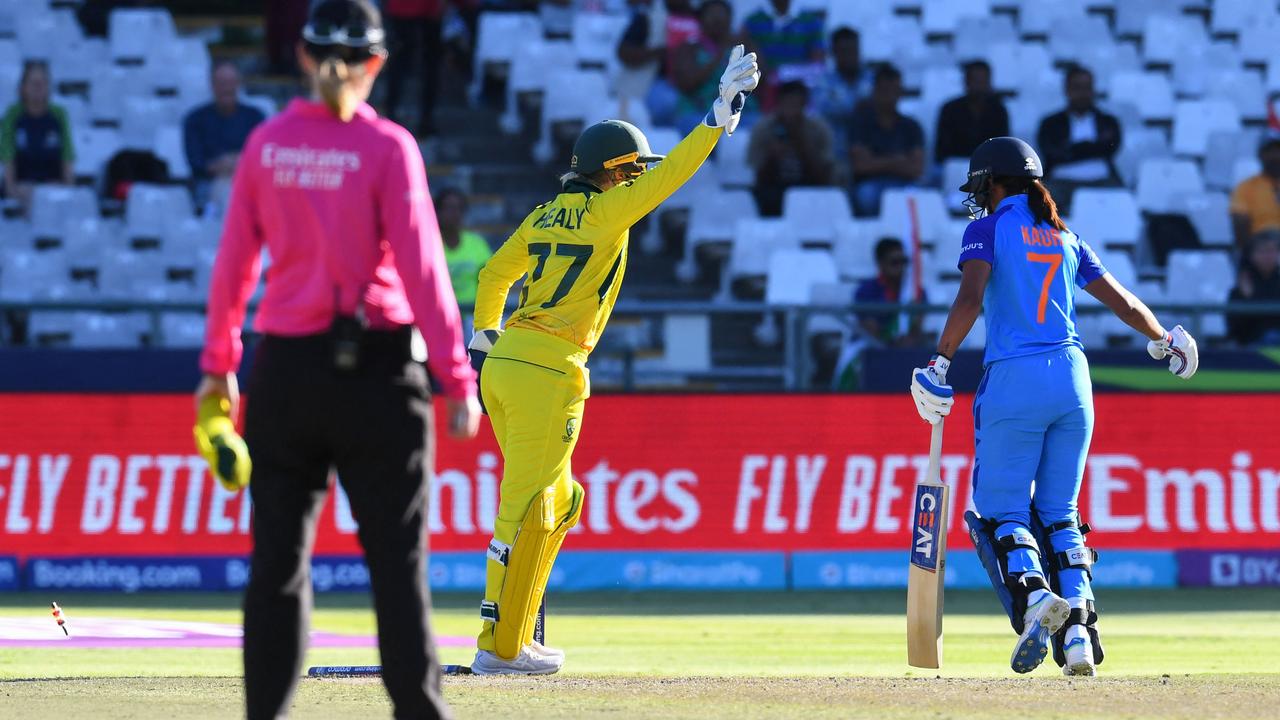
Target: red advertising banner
116,475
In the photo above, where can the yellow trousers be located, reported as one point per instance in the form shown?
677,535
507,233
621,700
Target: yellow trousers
534,387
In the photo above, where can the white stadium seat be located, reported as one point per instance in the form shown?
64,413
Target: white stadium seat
1243,89
854,250
1245,168
169,148
1073,33
1222,151
714,216
1105,59
1259,40
1160,182
754,241
858,15
1201,276
793,273
1195,70
94,148
1105,216
730,160
1209,214
974,33
890,37
134,33
54,207
1131,15
1165,35
1140,144
151,211
181,330
539,61
1016,65
499,36
942,16
595,38
1233,16
931,217
1194,120
571,95
815,213
1036,17
1150,92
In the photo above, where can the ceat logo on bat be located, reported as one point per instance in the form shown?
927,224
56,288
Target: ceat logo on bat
924,531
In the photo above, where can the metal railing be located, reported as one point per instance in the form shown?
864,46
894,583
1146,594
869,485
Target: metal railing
774,327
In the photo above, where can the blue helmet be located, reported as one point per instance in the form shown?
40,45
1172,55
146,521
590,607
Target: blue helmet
998,157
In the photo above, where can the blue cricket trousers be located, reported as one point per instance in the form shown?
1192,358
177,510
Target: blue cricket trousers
1033,420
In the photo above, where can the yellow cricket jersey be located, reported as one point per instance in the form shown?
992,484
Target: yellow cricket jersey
572,251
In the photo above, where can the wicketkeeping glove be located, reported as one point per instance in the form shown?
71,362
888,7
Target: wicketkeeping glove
1180,348
739,79
930,390
220,445
478,349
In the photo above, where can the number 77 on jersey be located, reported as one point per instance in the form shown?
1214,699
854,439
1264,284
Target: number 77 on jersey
928,565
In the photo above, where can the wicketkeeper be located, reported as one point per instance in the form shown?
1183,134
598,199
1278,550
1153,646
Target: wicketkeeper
572,252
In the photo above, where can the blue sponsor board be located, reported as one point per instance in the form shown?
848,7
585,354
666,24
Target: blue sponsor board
606,570
460,570
888,569
924,528
621,570
1229,568
8,573
125,574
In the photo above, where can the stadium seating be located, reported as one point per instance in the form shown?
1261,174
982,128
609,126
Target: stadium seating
815,213
1201,276
1189,80
793,273
1194,120
1160,181
1105,216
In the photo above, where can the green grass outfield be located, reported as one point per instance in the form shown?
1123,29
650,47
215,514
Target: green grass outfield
1171,654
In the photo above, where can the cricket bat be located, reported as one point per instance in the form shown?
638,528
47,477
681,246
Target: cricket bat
928,563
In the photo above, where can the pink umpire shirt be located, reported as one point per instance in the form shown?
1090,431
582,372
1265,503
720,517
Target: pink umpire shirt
345,214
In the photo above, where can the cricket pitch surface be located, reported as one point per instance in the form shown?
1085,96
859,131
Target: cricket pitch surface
1195,654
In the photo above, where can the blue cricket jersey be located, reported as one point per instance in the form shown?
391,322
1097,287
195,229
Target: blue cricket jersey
1030,300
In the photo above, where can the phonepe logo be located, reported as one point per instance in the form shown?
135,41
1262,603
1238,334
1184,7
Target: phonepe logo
928,509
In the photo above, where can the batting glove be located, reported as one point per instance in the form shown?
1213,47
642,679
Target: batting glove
1180,348
739,79
930,390
479,348
220,445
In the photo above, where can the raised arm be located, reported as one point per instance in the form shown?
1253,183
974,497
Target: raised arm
624,204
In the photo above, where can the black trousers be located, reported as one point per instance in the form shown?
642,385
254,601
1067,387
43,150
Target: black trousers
404,34
372,425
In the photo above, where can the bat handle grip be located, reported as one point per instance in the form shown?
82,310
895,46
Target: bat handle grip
933,474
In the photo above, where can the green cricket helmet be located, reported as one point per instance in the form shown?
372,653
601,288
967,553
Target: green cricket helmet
609,144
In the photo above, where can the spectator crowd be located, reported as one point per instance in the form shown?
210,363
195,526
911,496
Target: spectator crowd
823,117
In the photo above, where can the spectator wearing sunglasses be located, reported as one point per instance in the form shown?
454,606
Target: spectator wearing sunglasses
891,328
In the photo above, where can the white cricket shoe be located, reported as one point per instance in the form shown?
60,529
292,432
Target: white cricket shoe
1079,652
528,662
1044,617
545,651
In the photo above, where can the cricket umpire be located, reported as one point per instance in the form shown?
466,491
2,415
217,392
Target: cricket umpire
339,199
